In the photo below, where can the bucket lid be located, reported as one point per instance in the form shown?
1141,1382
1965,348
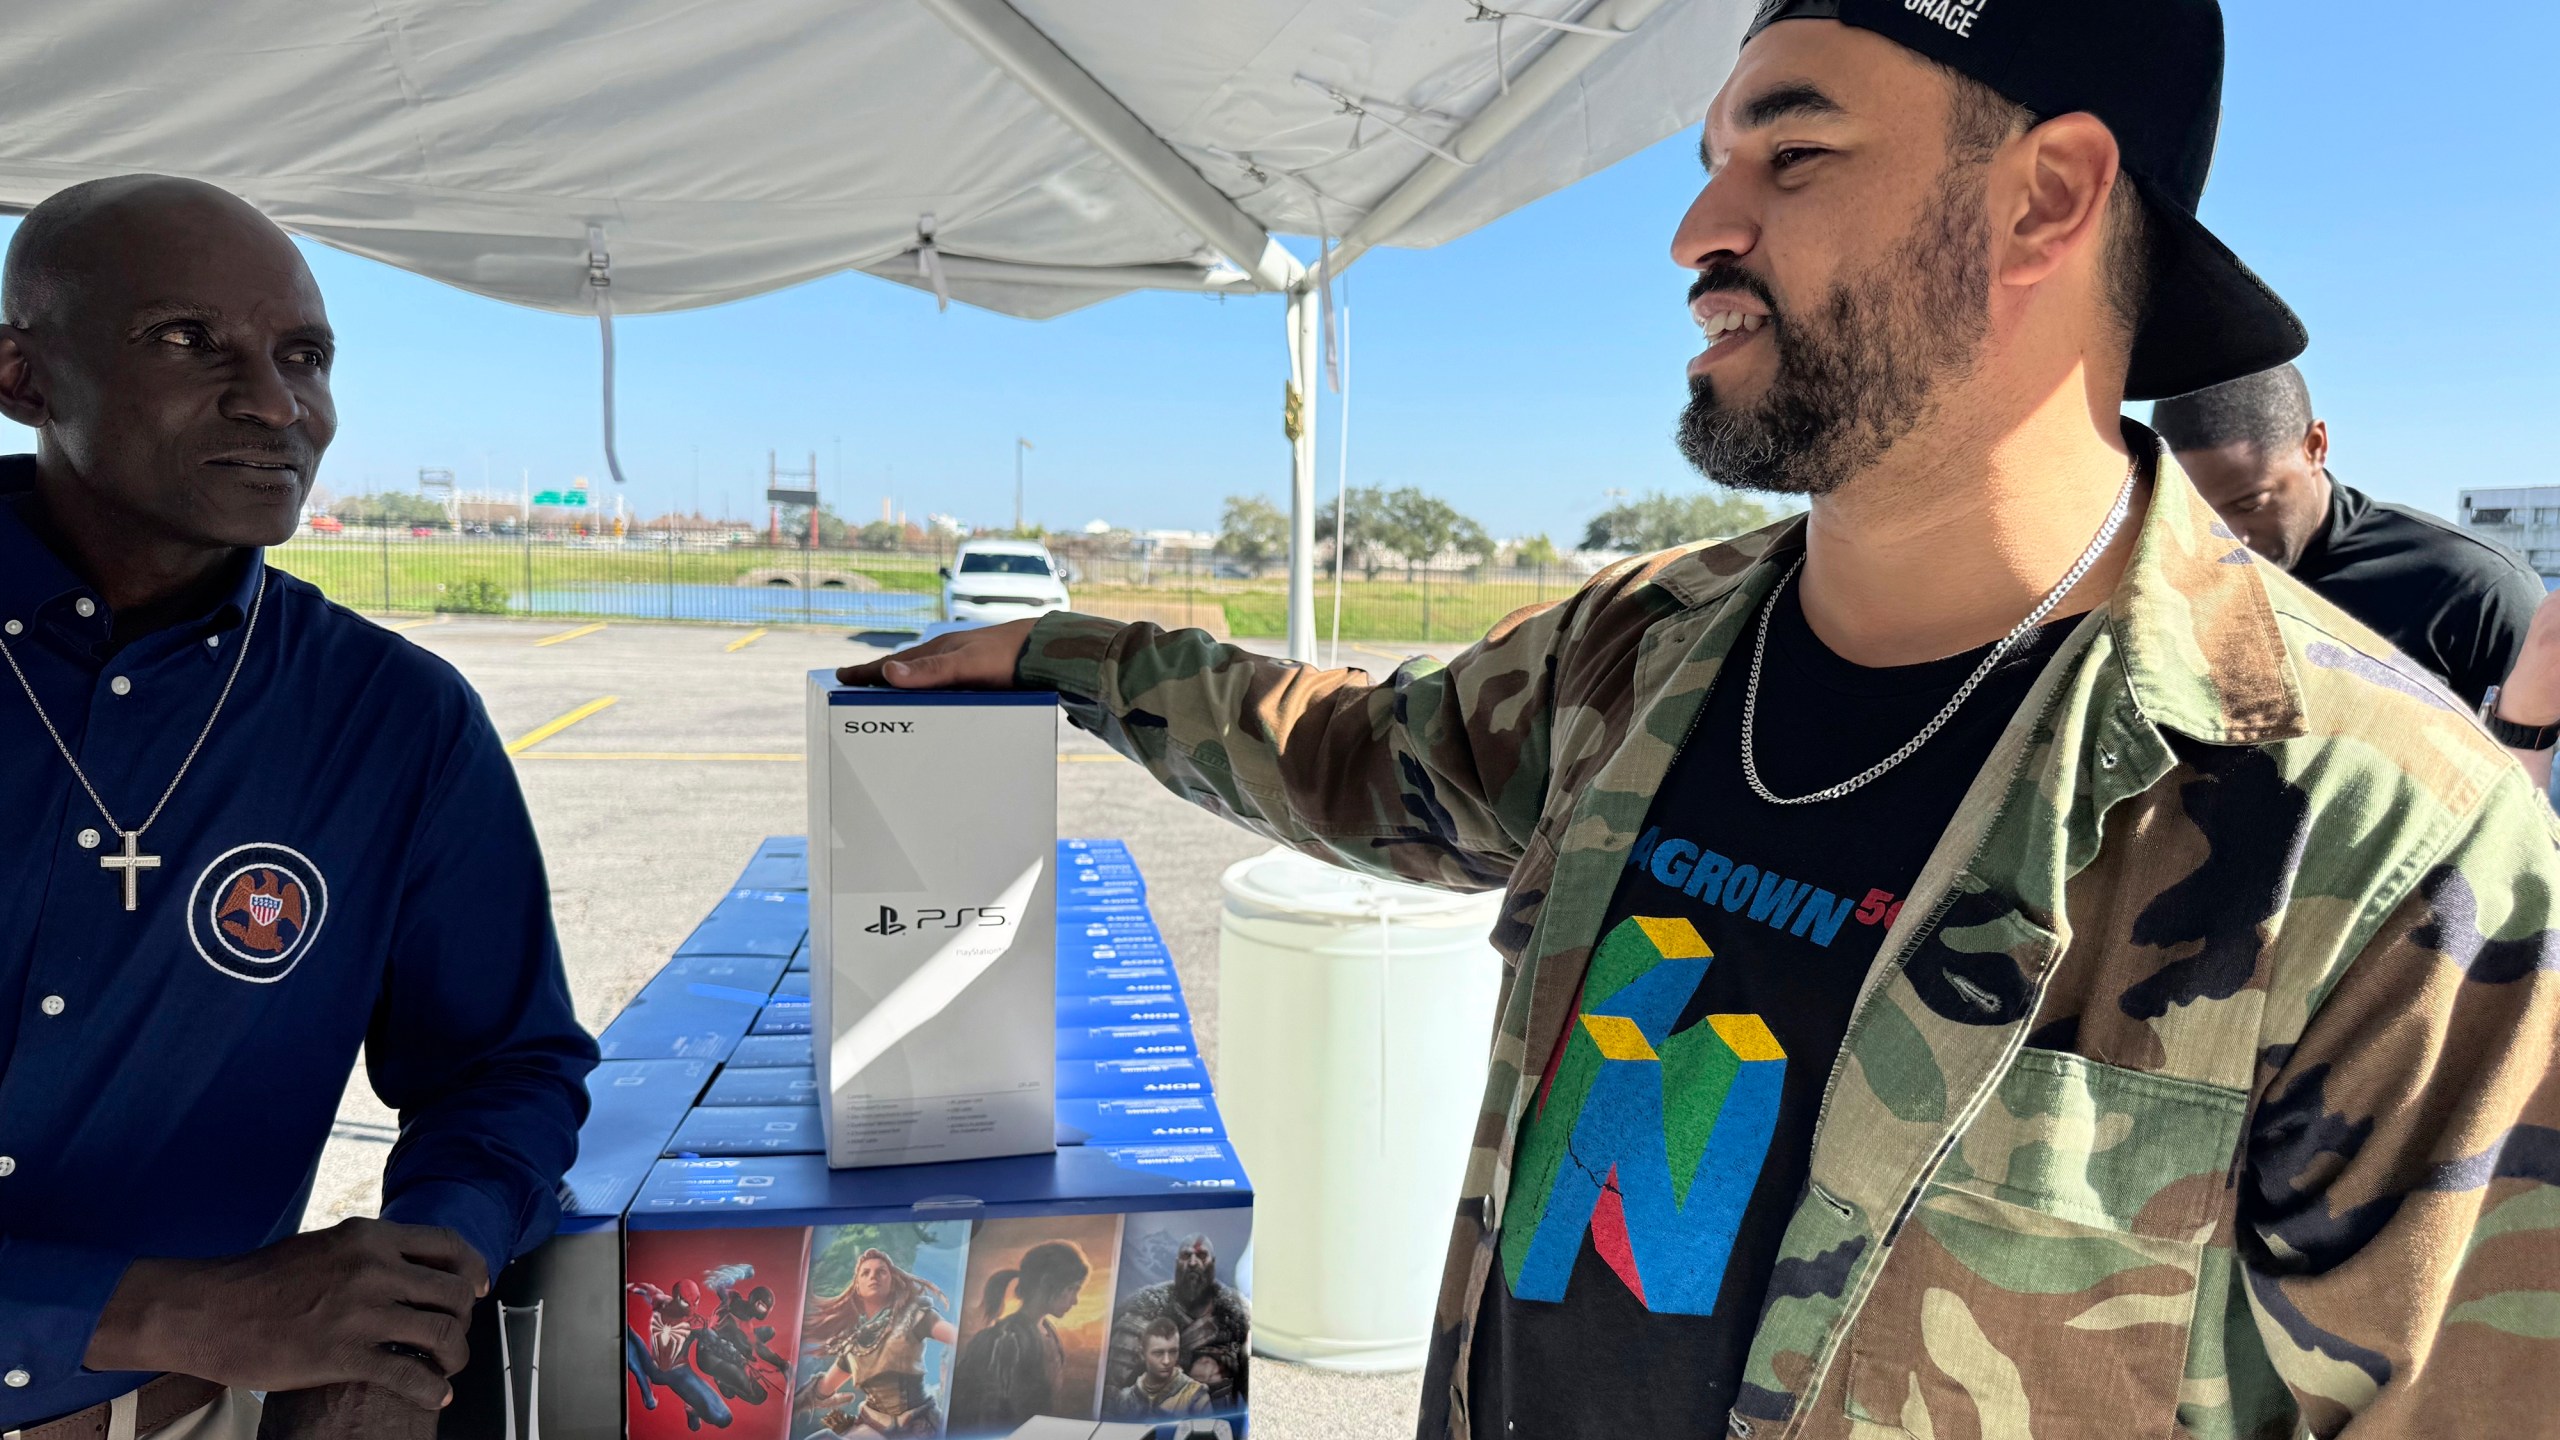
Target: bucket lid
1290,883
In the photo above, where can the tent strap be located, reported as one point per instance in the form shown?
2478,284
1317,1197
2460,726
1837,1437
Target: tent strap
600,280
929,262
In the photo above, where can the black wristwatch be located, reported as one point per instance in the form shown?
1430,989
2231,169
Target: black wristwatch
2513,735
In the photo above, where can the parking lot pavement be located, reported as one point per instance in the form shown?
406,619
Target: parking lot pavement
648,805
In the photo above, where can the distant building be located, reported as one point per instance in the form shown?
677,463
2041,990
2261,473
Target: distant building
2525,520
696,530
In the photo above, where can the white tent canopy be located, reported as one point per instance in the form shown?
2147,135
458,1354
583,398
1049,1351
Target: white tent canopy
1030,158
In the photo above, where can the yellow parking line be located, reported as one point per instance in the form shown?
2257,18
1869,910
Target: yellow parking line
1382,654
743,641
774,757
421,621
570,634
549,728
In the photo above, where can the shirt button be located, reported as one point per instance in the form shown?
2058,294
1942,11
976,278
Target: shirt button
52,1005
88,839
8,1165
14,628
17,1379
2107,760
86,606
120,685
213,642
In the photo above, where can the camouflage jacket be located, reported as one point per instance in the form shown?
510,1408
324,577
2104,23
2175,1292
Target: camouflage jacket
2202,1088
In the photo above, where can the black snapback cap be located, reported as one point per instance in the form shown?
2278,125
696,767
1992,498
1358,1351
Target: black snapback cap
2152,70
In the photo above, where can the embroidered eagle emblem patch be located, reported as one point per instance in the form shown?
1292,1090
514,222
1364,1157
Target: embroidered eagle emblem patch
255,911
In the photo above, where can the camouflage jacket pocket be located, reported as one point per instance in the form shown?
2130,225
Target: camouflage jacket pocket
2045,1282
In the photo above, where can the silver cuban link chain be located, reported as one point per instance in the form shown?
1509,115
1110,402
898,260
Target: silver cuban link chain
1760,647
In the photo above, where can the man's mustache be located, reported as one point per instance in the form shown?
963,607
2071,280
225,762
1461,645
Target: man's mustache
1734,277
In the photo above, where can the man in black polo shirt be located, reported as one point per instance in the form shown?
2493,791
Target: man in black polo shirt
2451,600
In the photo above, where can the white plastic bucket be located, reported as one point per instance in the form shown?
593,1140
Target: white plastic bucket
1354,1021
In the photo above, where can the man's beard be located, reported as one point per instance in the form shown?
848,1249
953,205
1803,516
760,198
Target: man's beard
1190,1286
1855,381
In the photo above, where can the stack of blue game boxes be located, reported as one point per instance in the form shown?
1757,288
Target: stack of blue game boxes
705,1120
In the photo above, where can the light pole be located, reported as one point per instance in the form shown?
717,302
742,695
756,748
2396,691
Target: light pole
1020,447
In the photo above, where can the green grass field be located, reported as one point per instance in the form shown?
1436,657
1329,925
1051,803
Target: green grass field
370,573
400,574
1393,609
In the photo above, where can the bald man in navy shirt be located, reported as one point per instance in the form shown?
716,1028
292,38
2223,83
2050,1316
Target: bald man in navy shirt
248,832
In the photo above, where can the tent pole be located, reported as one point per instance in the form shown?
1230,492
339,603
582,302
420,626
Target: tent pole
1306,357
1035,62
1551,74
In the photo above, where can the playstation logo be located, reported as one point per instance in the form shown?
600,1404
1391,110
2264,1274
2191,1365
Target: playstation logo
887,924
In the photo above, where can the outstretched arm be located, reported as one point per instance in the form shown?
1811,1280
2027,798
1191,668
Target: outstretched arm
1437,774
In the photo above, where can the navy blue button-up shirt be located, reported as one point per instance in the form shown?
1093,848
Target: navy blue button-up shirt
348,863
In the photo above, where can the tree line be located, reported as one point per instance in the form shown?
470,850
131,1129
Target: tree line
1414,528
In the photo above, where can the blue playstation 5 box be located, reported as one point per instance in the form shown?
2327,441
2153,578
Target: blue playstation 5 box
763,1085
1139,1120
1116,977
784,1015
769,1052
1123,1079
748,974
680,1020
1124,1042
785,1129
712,1273
752,921
1122,1009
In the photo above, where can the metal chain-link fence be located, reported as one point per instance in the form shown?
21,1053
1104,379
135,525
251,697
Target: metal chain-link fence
738,579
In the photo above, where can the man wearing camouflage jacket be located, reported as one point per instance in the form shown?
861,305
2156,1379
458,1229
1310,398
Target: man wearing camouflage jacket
2200,1083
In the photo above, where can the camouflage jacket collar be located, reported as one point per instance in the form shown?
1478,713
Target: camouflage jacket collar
2194,629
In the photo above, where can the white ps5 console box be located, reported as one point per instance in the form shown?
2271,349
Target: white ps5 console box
932,921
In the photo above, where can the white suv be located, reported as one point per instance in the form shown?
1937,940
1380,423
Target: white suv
992,581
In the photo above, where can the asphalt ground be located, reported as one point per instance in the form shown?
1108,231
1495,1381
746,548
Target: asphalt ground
655,757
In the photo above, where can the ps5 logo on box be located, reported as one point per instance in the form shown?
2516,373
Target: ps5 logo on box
989,916
1956,15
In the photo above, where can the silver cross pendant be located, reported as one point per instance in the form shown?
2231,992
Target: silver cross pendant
132,862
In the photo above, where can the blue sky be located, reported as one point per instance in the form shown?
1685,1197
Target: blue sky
2393,177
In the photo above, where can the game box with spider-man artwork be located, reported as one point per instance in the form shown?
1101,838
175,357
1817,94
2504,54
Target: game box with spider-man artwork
711,1331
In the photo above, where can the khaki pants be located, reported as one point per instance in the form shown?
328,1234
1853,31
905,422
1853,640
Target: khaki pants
233,1417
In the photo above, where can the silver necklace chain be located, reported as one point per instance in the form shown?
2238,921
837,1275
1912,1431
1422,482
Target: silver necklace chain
239,658
1759,650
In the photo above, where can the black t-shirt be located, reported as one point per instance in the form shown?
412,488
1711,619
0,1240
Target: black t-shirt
2450,600
1656,1173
